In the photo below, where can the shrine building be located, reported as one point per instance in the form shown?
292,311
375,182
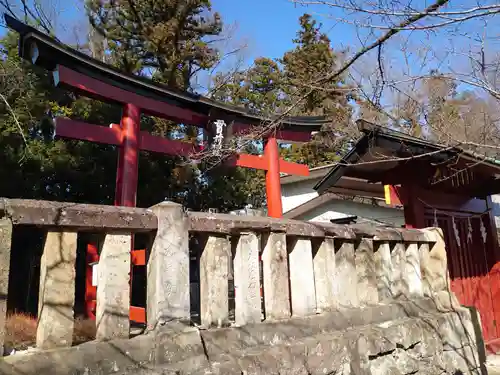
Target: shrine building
437,186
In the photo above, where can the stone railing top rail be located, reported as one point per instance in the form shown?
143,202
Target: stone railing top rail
232,224
78,216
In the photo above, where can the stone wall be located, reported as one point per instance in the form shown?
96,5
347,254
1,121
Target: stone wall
334,299
423,336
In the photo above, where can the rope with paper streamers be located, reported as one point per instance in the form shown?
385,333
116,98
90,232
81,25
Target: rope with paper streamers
456,233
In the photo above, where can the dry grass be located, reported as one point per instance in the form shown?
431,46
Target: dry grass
21,331
84,330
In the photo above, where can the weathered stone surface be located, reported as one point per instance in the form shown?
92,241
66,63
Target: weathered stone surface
5,248
302,290
247,279
446,300
367,277
175,343
214,267
274,360
398,261
75,216
324,268
423,251
324,353
311,345
92,358
410,334
275,276
56,296
464,359
233,224
412,275
386,365
396,362
388,336
383,271
113,288
434,267
168,267
345,278
455,330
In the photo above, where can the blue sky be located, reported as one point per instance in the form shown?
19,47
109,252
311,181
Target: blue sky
270,25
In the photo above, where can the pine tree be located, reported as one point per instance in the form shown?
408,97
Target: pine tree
34,165
311,59
258,89
167,37
270,86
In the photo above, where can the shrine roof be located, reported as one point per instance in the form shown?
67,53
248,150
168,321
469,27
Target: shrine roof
47,52
391,157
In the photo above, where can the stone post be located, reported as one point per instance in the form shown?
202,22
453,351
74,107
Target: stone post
383,268
168,267
435,274
412,275
324,268
247,279
5,246
345,278
113,288
56,296
398,261
275,275
423,252
434,264
367,277
303,294
214,269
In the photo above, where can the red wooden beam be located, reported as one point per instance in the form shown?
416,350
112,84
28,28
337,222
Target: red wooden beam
293,168
260,162
167,146
138,257
137,314
249,161
281,134
106,92
68,128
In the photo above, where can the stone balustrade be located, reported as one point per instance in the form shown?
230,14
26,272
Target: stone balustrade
304,268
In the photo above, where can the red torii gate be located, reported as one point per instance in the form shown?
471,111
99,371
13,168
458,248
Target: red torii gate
131,140
94,79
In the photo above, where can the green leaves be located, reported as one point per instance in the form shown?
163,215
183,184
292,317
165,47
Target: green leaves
168,36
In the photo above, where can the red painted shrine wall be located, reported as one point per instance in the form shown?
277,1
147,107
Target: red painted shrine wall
473,262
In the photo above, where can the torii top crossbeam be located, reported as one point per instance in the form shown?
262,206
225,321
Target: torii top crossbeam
178,105
80,73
